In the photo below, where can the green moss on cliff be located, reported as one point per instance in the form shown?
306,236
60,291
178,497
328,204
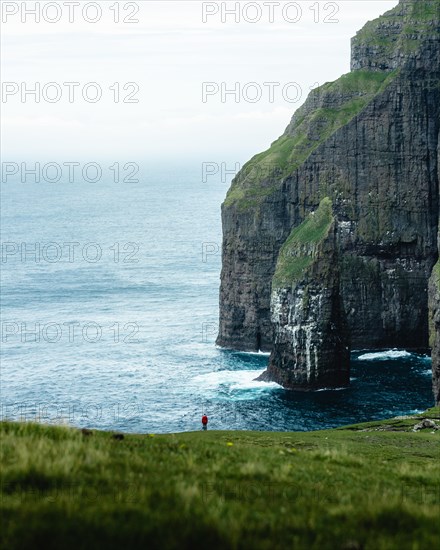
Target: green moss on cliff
365,82
434,284
373,31
264,167
300,249
401,28
436,274
262,175
426,9
435,278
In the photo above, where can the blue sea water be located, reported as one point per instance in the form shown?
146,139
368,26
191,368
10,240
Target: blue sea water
117,330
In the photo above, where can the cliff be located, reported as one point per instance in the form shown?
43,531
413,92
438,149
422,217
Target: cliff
434,318
364,148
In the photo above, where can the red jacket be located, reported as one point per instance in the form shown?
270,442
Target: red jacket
204,420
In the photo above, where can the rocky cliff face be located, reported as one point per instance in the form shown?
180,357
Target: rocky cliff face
434,303
365,146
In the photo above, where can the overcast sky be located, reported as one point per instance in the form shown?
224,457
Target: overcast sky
168,54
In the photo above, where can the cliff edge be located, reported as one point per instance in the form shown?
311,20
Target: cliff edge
361,158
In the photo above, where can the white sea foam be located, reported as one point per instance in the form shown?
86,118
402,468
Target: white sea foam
384,355
333,389
262,353
233,380
259,353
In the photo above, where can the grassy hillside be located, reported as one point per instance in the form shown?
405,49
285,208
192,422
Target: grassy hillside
372,486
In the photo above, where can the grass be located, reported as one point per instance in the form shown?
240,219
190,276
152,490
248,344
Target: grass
427,10
365,82
436,273
371,486
262,175
300,248
422,20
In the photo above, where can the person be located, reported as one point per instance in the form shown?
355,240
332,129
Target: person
204,422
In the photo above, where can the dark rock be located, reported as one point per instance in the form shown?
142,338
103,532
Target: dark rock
118,437
426,423
369,142
434,325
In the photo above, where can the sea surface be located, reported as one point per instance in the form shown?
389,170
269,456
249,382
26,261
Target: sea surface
110,312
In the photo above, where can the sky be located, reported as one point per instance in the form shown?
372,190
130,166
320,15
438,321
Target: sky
149,89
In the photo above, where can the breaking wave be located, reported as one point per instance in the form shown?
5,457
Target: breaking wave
232,382
333,389
384,355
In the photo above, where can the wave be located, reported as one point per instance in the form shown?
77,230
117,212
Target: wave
333,389
234,380
259,353
384,355
239,352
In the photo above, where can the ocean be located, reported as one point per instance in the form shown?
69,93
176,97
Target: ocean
110,311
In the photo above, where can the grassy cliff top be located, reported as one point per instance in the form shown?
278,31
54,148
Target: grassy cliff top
326,110
371,486
299,250
400,29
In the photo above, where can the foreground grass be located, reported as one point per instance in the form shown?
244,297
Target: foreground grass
370,486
